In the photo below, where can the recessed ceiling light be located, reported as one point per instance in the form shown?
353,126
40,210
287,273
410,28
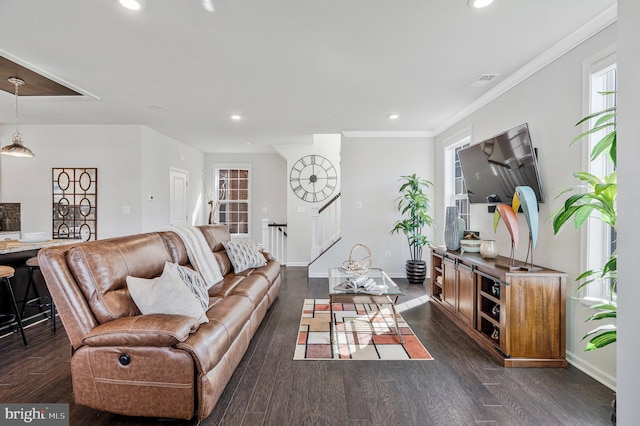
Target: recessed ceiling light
133,4
393,116
479,3
208,5
236,117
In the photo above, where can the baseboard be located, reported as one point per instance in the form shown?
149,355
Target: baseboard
318,275
592,371
400,275
305,264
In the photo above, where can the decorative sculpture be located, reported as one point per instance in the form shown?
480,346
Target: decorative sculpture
525,196
505,212
358,267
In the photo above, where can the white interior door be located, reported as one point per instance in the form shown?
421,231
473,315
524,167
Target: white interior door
179,180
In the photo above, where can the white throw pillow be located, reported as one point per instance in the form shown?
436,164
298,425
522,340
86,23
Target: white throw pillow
243,255
192,279
165,295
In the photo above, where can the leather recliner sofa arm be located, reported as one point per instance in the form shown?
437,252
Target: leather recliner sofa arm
142,330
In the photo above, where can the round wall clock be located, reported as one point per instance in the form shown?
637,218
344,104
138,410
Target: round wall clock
313,178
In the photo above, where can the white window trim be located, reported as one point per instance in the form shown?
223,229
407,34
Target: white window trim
451,144
237,166
595,235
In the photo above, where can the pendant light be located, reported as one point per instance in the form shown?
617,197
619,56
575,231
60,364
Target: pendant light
17,149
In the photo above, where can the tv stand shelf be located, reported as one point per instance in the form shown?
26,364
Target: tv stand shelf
518,317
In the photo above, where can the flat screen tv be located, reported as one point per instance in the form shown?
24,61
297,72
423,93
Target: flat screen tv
493,168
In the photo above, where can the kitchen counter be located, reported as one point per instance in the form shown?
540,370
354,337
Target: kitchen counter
9,235
14,253
14,246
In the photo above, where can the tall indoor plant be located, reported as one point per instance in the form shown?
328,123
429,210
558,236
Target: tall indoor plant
597,195
414,205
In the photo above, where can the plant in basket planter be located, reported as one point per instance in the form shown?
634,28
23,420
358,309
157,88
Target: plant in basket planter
414,205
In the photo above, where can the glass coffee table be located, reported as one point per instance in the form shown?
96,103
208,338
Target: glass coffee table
388,297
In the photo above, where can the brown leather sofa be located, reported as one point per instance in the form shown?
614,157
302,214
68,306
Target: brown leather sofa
151,365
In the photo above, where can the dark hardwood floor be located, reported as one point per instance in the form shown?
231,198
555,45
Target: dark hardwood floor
462,386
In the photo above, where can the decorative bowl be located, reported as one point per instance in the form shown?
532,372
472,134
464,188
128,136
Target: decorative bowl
471,246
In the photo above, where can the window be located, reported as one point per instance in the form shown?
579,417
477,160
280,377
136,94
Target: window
600,237
233,188
455,189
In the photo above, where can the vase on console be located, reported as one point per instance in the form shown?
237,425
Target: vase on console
453,229
488,249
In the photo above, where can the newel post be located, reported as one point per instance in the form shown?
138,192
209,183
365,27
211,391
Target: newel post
265,234
315,247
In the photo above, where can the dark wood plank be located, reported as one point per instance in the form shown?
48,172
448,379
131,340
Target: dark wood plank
273,346
462,385
35,84
359,384
278,403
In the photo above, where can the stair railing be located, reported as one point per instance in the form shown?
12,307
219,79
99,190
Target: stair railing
274,240
325,226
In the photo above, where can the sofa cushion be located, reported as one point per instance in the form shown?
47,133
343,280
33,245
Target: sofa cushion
270,271
253,287
211,342
215,235
223,262
175,246
100,268
243,255
223,288
166,295
142,330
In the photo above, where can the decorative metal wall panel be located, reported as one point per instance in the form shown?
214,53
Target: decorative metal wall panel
75,203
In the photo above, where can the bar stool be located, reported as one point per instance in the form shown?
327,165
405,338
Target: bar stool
33,265
7,272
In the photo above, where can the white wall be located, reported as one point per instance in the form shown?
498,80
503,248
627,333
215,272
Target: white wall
299,211
159,154
371,170
114,150
132,161
268,186
551,101
628,343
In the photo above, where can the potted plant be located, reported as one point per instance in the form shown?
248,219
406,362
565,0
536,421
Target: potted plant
414,205
596,195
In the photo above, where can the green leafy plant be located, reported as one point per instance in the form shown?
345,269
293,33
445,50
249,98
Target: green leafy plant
414,204
596,195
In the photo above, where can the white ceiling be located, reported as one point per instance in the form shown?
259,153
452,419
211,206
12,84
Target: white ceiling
291,68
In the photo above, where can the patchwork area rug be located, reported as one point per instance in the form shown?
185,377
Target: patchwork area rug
361,333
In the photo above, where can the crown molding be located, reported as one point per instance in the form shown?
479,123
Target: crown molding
588,30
